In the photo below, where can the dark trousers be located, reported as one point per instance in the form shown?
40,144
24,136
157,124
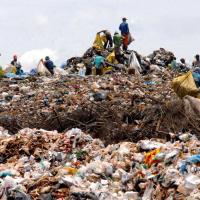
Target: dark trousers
51,71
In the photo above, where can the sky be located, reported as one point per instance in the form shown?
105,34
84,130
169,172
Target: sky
65,28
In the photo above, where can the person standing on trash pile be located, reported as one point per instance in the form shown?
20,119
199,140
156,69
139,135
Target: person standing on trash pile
98,62
17,65
196,62
48,64
106,38
117,40
124,32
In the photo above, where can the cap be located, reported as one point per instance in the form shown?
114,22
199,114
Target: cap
47,58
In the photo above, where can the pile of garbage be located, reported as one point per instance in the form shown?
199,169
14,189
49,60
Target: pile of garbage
161,57
39,164
156,61
134,137
118,105
115,107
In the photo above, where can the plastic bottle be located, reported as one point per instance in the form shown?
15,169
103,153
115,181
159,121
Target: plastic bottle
82,71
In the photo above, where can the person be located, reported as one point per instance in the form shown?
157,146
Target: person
107,39
99,62
184,67
48,64
117,40
196,62
174,63
17,65
124,32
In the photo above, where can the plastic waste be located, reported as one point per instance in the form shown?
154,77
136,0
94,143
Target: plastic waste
18,195
45,164
150,157
131,195
82,72
150,82
149,145
192,181
5,173
100,96
148,192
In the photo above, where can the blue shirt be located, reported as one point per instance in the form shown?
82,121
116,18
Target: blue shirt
98,61
124,28
49,64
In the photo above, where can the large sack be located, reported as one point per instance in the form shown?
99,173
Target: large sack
130,39
98,43
42,70
133,63
111,58
185,85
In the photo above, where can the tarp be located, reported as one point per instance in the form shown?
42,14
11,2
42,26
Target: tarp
185,85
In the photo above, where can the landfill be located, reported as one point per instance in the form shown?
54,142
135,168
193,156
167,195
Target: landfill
39,164
119,136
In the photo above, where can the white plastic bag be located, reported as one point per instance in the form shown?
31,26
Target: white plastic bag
133,63
59,71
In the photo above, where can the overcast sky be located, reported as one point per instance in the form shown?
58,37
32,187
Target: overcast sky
67,28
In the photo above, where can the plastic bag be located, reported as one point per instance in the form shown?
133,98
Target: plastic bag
194,159
192,181
133,63
149,158
185,85
59,71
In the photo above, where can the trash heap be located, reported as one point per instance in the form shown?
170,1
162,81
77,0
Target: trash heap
134,138
39,164
160,58
118,105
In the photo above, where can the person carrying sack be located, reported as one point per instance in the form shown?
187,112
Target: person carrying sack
125,33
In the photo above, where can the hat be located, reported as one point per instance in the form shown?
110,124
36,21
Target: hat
47,58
